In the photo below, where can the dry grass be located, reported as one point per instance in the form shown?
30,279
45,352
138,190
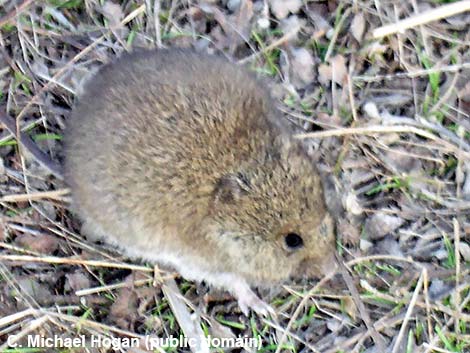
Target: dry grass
388,120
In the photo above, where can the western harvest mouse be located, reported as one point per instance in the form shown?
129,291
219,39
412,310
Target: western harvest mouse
181,158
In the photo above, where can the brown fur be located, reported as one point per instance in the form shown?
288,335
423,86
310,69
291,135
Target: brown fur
175,152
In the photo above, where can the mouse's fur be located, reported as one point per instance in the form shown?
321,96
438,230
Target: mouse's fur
181,158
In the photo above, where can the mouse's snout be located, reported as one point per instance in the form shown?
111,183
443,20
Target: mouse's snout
329,264
316,268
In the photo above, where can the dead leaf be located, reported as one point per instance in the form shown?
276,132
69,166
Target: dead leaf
335,71
350,307
282,8
113,13
242,20
381,224
338,63
42,243
124,309
301,67
291,26
358,26
76,281
389,246
324,73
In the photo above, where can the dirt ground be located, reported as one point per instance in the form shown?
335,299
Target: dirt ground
383,111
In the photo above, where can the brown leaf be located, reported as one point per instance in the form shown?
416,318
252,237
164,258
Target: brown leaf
335,70
325,72
42,243
282,8
381,224
77,281
301,67
124,309
358,26
242,20
350,307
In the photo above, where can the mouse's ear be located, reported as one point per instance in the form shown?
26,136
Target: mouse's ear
231,187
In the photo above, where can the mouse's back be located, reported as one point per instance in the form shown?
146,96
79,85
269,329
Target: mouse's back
155,130
180,158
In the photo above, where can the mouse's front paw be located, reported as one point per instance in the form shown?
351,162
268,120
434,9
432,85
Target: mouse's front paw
249,300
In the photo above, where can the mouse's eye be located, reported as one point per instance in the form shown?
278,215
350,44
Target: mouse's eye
293,241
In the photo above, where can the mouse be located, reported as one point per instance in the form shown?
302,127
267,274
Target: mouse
181,159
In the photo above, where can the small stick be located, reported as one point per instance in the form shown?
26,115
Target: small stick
73,261
380,129
409,311
457,298
423,18
54,195
377,338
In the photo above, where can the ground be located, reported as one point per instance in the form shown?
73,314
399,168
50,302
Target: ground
385,116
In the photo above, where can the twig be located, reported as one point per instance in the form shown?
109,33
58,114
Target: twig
379,129
457,298
54,195
409,311
109,287
30,327
412,74
378,339
16,316
423,18
69,261
427,302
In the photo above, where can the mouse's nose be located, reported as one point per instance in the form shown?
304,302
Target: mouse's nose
317,268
